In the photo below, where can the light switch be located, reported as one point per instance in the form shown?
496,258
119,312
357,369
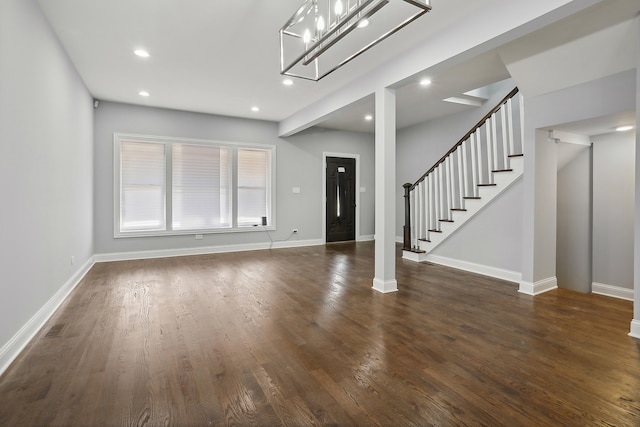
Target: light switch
363,190
295,190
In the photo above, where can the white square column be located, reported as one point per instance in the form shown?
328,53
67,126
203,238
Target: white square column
385,206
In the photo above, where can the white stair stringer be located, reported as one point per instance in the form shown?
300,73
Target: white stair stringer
503,180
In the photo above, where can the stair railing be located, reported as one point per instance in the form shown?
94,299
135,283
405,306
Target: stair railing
468,165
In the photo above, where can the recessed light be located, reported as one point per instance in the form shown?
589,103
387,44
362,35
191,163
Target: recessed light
425,82
143,93
141,53
623,128
287,82
363,23
255,109
368,117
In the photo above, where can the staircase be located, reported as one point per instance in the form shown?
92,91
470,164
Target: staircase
484,163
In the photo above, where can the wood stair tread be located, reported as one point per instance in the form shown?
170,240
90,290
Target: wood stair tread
502,170
487,185
515,155
458,210
434,231
471,198
445,220
425,240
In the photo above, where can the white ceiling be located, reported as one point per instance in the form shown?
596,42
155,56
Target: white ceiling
223,57
598,126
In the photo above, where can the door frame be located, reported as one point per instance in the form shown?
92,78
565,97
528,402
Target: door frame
324,191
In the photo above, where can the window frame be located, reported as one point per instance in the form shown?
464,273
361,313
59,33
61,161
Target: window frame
168,143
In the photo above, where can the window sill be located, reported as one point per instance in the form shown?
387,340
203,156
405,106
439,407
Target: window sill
243,229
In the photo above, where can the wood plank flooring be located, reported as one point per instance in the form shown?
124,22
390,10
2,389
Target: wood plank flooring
298,337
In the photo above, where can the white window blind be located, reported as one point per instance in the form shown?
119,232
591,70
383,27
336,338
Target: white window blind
166,185
200,187
142,177
254,178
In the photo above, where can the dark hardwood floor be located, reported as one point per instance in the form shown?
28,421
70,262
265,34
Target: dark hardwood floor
298,337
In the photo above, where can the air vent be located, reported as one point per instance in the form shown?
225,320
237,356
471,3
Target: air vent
55,331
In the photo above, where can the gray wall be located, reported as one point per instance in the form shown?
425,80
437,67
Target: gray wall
46,162
298,163
312,143
613,208
493,236
573,245
419,147
610,95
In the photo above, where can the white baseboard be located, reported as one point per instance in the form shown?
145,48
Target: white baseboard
205,250
366,238
612,291
498,273
295,244
385,286
635,329
538,287
19,341
399,239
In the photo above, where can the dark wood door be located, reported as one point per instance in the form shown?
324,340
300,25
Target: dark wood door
341,199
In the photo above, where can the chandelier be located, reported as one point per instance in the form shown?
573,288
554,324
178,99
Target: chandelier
323,35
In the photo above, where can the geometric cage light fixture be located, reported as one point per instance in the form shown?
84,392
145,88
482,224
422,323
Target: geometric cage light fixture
323,35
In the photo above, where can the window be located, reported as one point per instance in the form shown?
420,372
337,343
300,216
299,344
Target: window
180,186
142,168
253,186
200,187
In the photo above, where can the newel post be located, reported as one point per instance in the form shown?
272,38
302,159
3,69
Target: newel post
406,242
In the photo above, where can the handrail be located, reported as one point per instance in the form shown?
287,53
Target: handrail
467,136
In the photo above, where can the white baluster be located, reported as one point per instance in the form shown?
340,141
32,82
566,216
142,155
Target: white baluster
421,228
490,144
512,146
427,206
481,158
412,203
460,177
465,170
438,195
521,99
431,202
503,120
416,224
443,193
454,188
448,181
475,174
436,198
494,141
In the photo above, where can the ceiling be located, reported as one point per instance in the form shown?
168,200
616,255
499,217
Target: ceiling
598,126
223,58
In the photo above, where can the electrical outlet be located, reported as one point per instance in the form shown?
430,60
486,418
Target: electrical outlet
294,231
198,236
